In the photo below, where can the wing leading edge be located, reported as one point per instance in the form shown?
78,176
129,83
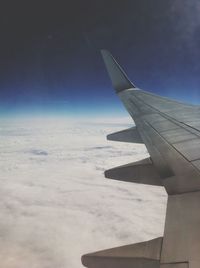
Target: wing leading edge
170,131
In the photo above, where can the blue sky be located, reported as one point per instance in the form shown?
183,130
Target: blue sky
51,64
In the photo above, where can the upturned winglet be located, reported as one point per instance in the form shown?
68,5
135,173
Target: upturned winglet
119,79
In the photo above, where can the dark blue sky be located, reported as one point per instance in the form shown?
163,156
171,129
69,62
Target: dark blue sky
50,60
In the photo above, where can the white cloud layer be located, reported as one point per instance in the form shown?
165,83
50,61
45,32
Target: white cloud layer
55,203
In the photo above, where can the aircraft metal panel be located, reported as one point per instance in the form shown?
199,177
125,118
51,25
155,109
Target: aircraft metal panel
164,125
194,264
161,104
127,135
196,163
145,254
160,150
175,265
190,149
154,118
172,166
143,107
118,77
181,184
160,123
105,262
177,135
195,125
181,241
142,171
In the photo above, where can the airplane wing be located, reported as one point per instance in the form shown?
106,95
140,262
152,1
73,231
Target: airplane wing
170,131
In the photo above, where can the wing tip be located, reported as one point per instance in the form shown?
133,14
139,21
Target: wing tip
104,51
118,77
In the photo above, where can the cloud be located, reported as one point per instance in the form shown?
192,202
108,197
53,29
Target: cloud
55,203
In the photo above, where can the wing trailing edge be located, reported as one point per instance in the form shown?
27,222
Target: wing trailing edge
142,171
127,135
118,77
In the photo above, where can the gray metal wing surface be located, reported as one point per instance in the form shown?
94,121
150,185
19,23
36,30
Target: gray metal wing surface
170,131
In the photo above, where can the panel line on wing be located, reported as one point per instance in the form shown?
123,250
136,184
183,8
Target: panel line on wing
179,123
180,153
171,119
